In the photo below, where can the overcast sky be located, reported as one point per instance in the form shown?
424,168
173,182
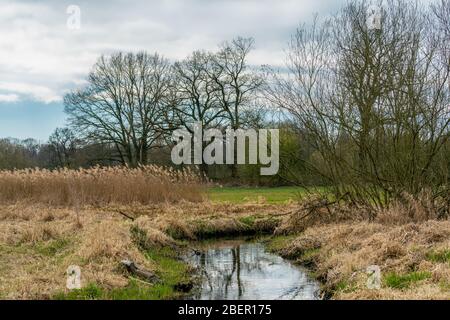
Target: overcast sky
41,58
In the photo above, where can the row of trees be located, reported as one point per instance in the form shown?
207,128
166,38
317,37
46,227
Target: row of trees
133,102
366,111
63,149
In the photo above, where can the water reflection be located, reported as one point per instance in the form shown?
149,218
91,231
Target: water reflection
235,270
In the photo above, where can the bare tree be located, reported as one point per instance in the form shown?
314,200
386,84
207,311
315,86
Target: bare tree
441,12
217,89
19,154
440,22
237,83
196,93
373,102
64,144
125,104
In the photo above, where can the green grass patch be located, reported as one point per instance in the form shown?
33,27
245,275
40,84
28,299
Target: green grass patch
90,292
139,291
249,220
345,286
442,256
173,273
309,255
403,281
278,243
53,247
445,286
240,195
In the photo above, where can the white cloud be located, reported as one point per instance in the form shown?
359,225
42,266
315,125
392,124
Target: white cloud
42,59
9,97
36,92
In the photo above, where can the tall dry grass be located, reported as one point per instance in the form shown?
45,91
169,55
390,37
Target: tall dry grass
99,186
340,253
317,210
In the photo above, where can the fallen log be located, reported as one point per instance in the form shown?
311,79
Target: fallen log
146,275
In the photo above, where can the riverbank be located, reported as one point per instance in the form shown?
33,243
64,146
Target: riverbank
38,243
414,259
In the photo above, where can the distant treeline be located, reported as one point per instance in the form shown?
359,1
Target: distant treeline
64,150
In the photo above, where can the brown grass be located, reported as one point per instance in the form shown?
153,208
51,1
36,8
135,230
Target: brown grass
34,262
316,210
409,209
339,242
38,242
340,253
99,186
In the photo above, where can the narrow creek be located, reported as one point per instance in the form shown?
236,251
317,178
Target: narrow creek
242,270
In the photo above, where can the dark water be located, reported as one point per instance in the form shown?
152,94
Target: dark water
245,270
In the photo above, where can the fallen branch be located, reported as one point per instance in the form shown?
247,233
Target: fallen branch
126,215
131,267
323,203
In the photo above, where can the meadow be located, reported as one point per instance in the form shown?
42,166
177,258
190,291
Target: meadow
252,194
97,218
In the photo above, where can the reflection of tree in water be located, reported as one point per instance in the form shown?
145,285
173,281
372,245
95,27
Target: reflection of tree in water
223,269
247,271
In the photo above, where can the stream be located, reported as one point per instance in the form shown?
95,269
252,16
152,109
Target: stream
240,270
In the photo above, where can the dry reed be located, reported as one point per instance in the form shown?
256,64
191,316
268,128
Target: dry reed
99,186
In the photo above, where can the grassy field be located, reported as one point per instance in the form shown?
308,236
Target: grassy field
56,223
239,195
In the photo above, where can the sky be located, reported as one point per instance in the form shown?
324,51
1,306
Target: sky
44,55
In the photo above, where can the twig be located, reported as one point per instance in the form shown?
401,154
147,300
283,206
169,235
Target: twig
126,215
310,209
